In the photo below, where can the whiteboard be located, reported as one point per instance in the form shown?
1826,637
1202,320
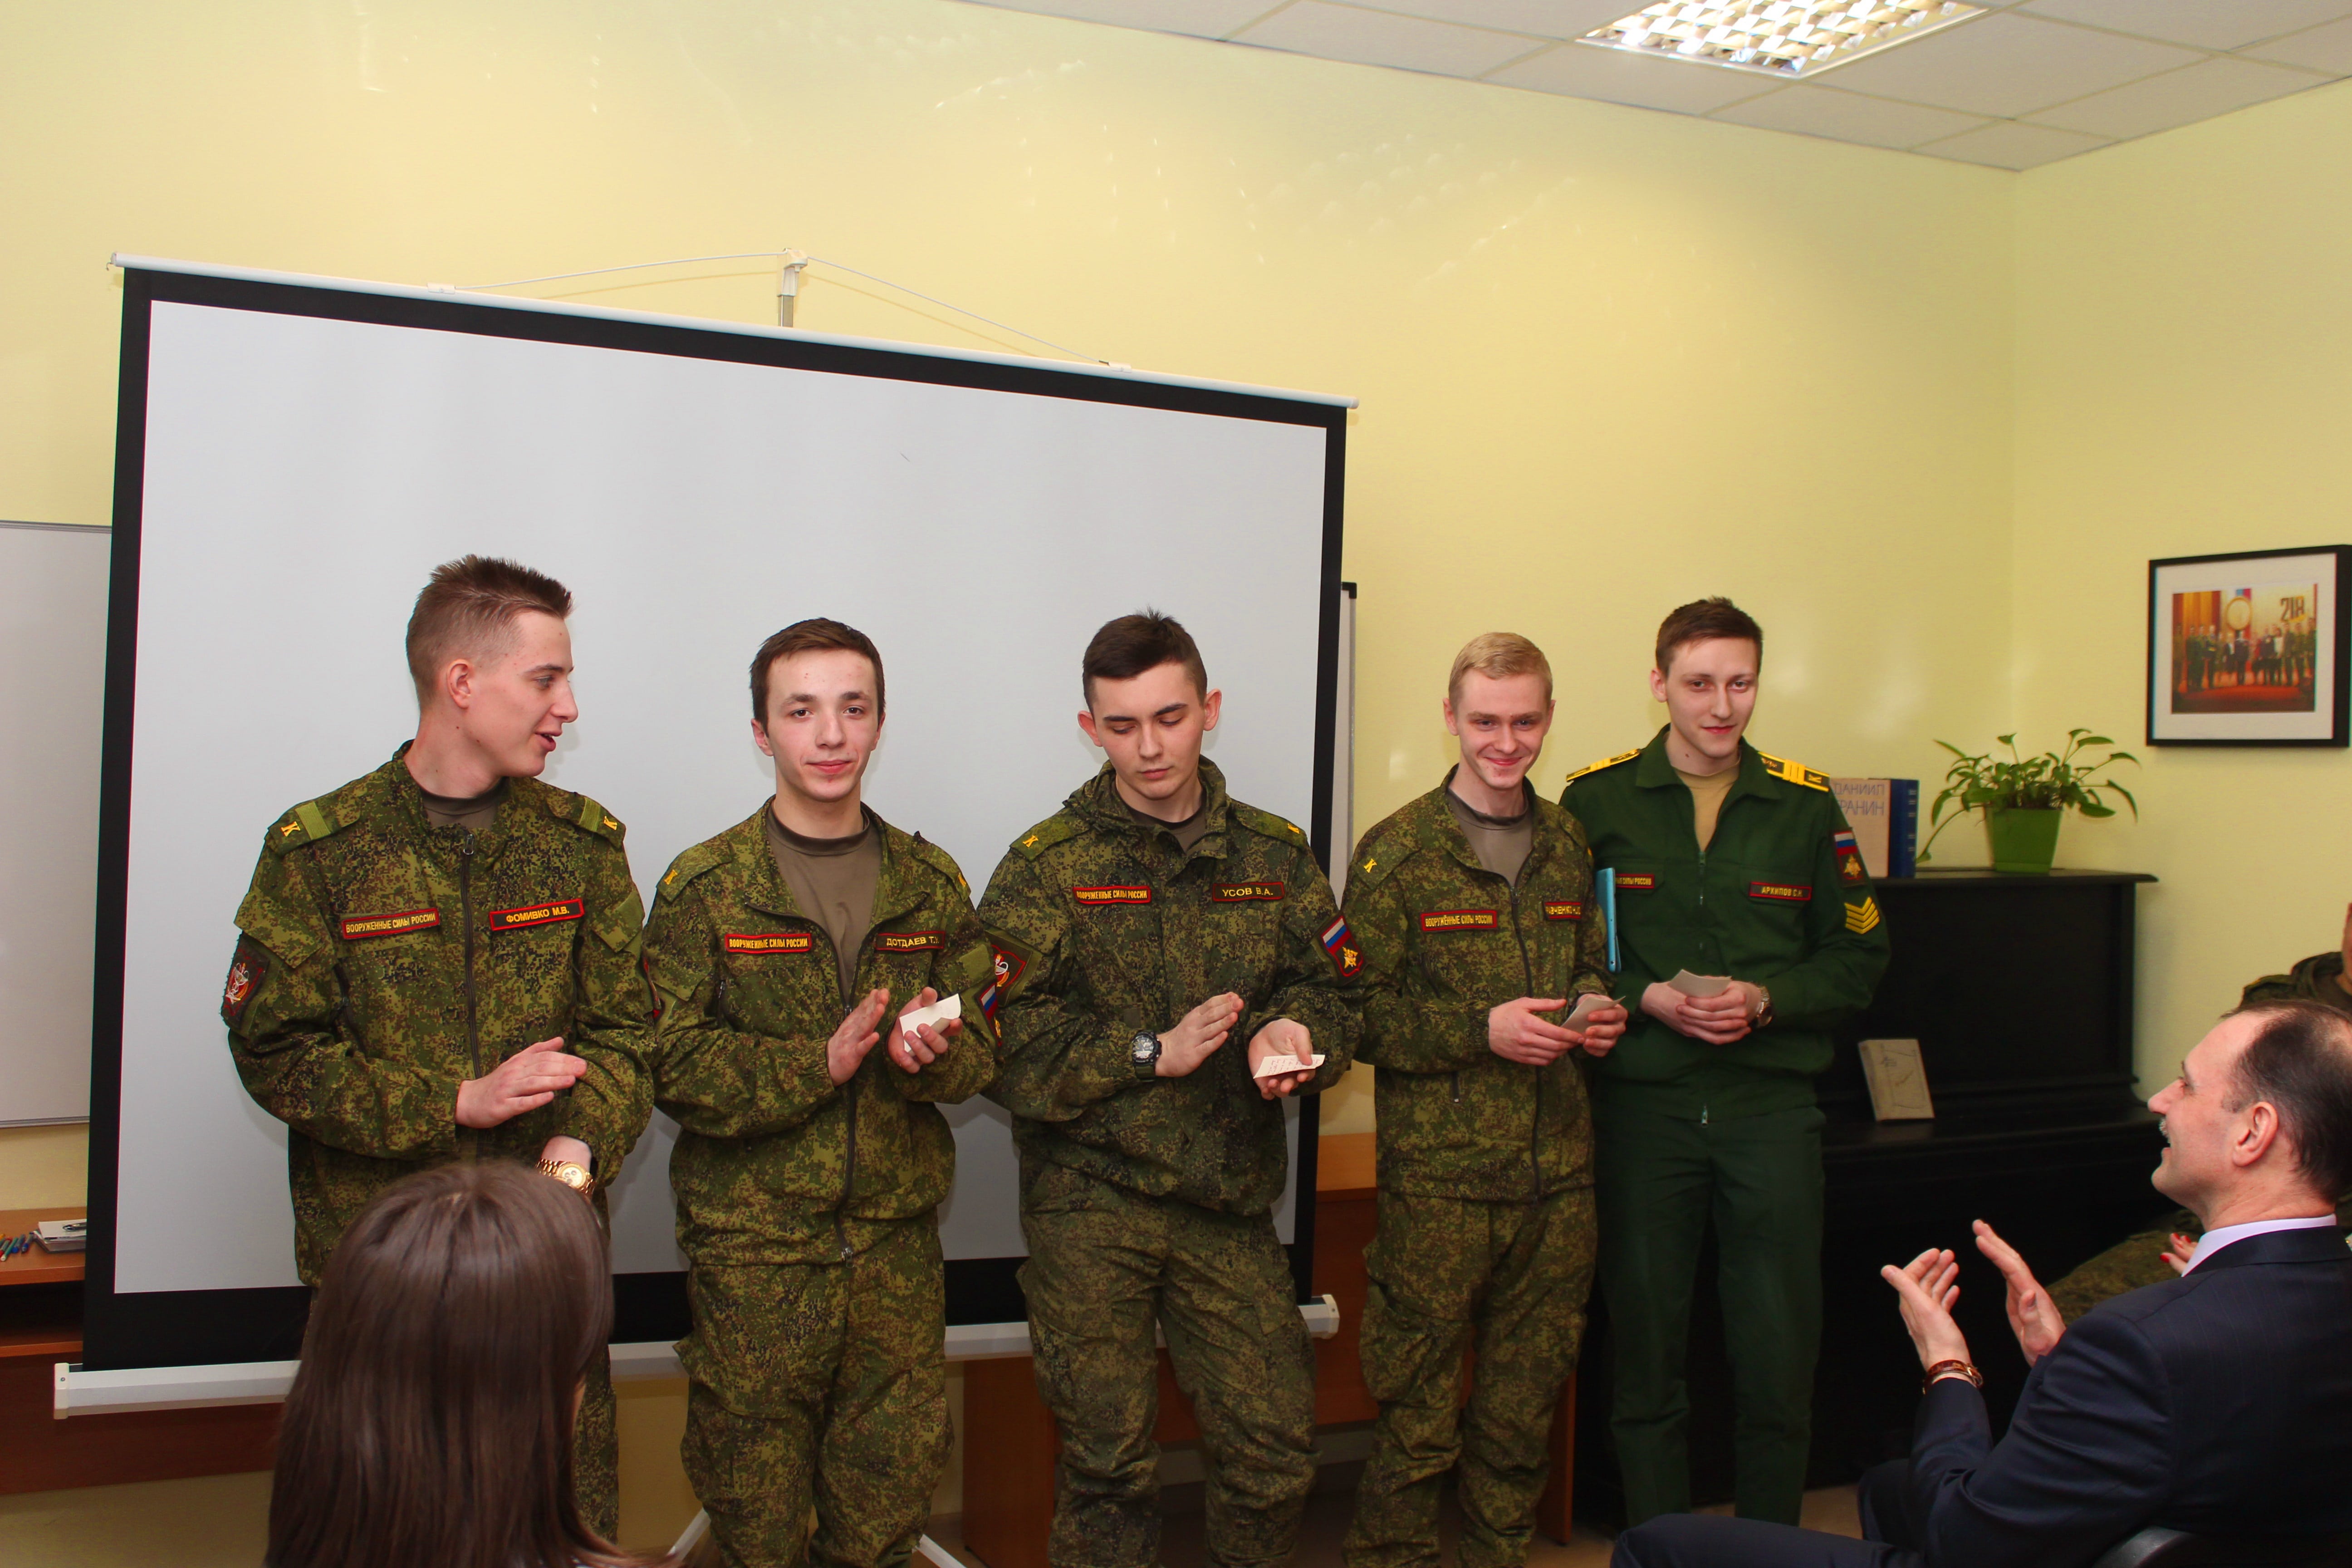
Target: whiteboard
303,470
52,681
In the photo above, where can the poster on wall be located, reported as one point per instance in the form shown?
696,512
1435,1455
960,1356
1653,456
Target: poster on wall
2249,650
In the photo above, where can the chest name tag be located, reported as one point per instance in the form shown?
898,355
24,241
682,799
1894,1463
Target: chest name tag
1786,892
359,928
1461,919
1247,892
908,941
1563,909
1637,881
767,942
1104,898
538,914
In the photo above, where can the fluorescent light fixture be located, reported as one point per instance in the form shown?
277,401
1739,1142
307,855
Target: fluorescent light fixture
1776,37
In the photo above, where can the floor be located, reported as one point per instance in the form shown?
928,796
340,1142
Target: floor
218,1522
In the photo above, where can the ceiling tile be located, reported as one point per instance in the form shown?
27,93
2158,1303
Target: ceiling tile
2011,146
2327,48
1617,76
1201,18
1384,38
2176,97
1540,19
2206,23
2006,63
1848,117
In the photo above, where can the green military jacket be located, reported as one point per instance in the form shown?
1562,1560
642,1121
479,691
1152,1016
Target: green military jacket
1780,897
2316,979
1445,942
384,961
1103,930
776,1163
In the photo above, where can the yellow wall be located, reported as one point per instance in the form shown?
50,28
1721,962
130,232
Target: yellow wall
2183,337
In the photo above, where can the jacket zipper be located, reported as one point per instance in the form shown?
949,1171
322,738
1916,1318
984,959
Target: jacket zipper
1528,977
849,1091
465,913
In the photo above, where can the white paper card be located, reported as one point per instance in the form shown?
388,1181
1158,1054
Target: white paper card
1592,1002
1273,1065
934,1015
1691,985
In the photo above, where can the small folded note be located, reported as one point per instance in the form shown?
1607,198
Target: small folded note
935,1014
1592,1002
1691,985
1273,1065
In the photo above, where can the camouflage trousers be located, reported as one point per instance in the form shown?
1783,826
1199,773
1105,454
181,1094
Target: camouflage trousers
819,1386
1105,1266
2128,1266
1509,1281
596,1453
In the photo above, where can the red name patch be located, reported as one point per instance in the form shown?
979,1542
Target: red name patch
1637,881
1563,909
1787,892
908,941
1461,919
538,914
359,928
767,942
1101,898
1247,892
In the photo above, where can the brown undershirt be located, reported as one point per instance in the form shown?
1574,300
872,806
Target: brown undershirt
1707,792
1501,843
471,812
832,880
1188,832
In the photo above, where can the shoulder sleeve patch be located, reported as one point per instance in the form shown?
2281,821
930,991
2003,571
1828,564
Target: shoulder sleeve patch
940,861
1794,772
1056,828
1603,763
1266,822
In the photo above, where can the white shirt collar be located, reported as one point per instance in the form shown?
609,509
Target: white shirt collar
2215,1240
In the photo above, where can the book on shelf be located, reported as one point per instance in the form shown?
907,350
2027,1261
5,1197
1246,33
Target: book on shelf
1885,816
1897,1081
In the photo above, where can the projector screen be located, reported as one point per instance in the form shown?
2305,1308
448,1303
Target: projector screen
296,455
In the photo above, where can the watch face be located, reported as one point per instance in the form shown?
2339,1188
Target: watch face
572,1176
1145,1048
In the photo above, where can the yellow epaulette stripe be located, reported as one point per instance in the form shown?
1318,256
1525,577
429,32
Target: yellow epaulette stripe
1794,772
1603,763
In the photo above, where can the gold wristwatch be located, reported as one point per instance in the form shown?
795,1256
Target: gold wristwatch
570,1172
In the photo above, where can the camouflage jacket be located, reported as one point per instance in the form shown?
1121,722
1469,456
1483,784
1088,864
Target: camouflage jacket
1445,942
1103,930
384,961
1780,897
2316,979
776,1163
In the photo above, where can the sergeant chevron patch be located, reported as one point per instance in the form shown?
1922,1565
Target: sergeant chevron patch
1861,916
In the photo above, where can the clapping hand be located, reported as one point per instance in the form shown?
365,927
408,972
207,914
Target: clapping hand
2032,1316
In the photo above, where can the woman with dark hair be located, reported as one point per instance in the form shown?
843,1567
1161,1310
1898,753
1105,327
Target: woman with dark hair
430,1425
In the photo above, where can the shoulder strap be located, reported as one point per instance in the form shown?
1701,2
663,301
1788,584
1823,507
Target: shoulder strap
1794,772
1267,823
1060,827
1603,763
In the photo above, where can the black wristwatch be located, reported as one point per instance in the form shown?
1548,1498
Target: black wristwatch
1143,1054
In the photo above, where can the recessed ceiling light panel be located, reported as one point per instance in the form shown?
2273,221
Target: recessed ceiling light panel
1777,37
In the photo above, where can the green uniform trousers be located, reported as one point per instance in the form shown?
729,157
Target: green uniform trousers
820,1386
1510,1281
596,1453
1661,1178
1105,1266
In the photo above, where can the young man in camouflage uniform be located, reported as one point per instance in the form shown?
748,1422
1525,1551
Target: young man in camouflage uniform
1473,907
440,961
2152,1257
1138,929
812,1157
1732,864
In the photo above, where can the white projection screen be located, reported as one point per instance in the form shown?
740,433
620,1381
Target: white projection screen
295,455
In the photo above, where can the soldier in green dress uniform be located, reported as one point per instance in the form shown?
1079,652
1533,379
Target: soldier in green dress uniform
1728,863
440,960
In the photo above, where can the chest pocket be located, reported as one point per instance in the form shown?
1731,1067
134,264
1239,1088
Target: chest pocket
1780,896
1638,878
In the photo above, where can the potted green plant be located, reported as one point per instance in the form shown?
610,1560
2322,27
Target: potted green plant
2025,798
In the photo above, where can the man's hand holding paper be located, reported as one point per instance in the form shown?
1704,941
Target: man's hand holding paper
1711,1007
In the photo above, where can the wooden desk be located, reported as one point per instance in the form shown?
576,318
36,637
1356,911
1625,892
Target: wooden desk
40,1325
1010,1443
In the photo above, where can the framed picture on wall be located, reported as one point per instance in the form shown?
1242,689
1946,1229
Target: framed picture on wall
2249,650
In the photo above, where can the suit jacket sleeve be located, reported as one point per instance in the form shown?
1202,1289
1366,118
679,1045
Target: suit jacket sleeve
2088,1461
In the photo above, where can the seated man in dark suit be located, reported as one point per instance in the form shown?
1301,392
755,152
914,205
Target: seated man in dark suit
2219,1403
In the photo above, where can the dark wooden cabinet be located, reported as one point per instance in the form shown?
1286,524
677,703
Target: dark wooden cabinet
2019,990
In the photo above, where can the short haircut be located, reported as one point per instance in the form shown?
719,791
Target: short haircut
2300,1060
1498,656
431,1417
469,609
1703,620
1126,648
814,635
